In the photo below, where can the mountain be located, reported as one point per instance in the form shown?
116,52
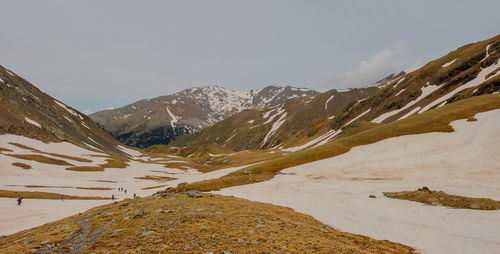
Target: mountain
269,127
165,118
470,70
26,111
303,123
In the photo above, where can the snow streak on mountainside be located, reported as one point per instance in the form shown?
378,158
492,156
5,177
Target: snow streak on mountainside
468,71
290,122
163,119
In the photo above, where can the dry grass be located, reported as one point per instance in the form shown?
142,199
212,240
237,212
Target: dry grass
115,162
40,159
440,198
153,187
86,168
41,195
93,188
156,178
436,120
112,162
175,223
52,154
105,181
5,150
21,165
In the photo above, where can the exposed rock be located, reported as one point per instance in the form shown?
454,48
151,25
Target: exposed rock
194,194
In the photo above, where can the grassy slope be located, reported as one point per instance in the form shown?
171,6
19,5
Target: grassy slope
470,59
436,120
175,223
441,198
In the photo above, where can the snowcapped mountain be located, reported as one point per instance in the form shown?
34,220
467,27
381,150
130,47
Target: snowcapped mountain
291,121
26,111
163,119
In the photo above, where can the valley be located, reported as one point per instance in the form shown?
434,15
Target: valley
407,164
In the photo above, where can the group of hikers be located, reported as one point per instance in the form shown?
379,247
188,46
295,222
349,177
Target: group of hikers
20,198
124,190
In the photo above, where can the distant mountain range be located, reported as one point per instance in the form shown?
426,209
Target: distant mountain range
165,118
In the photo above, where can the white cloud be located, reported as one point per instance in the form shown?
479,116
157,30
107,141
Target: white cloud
383,63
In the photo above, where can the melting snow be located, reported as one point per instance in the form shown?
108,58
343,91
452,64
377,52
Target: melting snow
32,122
487,52
413,111
280,111
399,82
65,117
448,63
85,125
426,90
480,78
356,118
173,118
326,103
68,109
402,90
274,128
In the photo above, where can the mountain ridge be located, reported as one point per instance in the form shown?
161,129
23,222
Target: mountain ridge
164,118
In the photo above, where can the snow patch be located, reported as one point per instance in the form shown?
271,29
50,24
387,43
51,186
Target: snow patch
413,111
426,90
274,128
356,118
32,122
480,78
449,63
326,103
402,90
399,82
174,119
68,109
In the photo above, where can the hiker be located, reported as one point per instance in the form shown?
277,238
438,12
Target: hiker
125,191
135,195
19,200
113,197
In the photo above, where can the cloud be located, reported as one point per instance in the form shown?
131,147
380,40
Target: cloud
383,63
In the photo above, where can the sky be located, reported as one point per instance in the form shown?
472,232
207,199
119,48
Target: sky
94,54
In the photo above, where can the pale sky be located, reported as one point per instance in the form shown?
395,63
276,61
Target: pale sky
98,54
